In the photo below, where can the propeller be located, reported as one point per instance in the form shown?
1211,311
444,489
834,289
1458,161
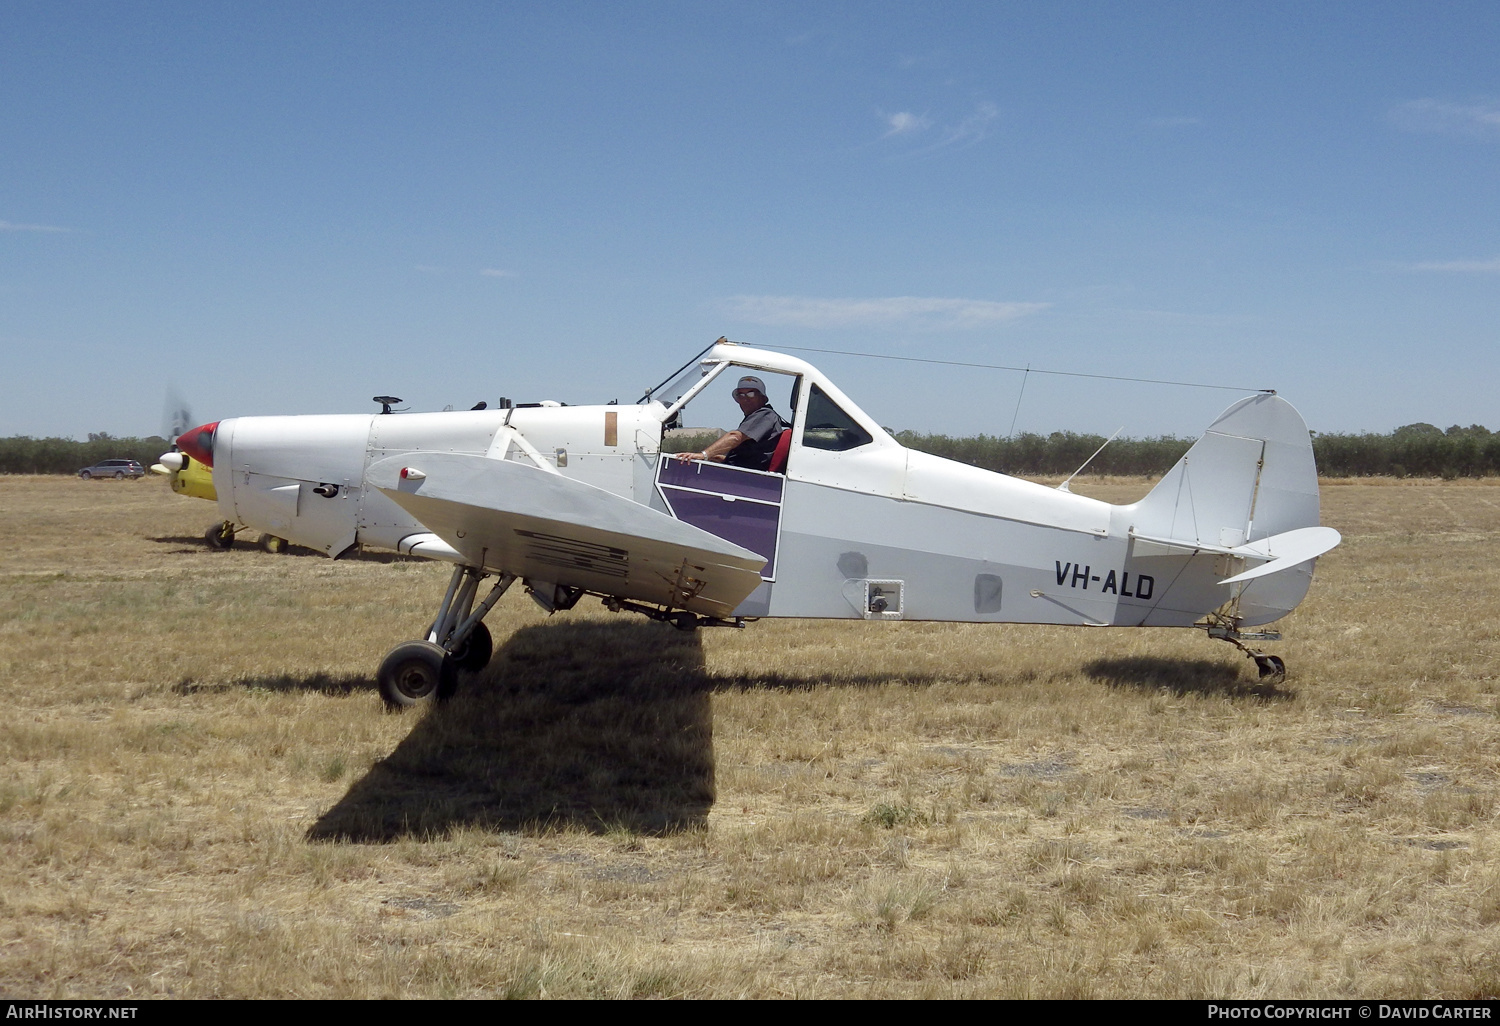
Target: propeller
176,418
189,444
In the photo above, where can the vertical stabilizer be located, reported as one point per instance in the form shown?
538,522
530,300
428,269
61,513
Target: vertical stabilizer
1250,477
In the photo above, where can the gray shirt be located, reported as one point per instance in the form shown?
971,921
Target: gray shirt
761,429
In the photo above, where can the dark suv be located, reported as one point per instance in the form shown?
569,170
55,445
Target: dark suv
117,469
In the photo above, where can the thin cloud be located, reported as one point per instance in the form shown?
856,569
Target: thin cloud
904,123
908,312
965,132
1466,266
11,226
495,272
1478,120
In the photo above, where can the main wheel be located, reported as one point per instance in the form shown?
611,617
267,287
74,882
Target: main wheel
273,544
474,654
415,672
220,535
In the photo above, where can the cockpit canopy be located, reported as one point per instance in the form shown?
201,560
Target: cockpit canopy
824,416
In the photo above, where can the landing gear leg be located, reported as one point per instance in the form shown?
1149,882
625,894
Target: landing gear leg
220,535
417,671
1270,667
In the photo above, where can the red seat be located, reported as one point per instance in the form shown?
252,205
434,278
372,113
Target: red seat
778,456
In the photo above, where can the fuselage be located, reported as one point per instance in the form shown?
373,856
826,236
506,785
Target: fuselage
857,526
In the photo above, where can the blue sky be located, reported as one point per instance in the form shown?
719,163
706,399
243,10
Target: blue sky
289,208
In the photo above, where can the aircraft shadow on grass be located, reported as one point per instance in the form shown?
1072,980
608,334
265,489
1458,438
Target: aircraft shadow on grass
599,726
1182,677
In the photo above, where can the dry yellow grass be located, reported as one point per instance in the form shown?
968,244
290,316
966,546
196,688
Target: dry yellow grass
200,795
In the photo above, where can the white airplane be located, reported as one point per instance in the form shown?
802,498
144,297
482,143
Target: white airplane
847,524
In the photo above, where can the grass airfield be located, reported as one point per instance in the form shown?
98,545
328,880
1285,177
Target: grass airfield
200,795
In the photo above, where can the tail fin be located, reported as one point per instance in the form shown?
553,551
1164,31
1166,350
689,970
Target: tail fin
1250,479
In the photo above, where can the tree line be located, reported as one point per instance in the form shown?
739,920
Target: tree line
21,454
1414,450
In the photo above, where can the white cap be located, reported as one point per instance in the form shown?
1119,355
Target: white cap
751,381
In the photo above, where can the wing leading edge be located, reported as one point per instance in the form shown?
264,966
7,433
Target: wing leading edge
515,518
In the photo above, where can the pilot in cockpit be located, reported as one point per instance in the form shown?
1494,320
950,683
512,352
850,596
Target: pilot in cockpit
751,444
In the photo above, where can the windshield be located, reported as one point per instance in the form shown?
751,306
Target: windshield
669,393
679,381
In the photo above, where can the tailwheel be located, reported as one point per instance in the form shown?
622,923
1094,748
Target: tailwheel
1269,665
220,535
415,672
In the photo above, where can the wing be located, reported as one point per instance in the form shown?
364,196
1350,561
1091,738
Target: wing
513,517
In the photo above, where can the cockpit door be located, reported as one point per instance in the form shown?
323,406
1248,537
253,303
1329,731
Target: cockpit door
741,506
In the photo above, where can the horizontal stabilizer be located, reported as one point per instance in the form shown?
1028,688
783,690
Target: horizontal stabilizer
510,516
1284,551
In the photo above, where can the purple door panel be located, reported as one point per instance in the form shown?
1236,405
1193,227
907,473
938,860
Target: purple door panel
751,524
721,479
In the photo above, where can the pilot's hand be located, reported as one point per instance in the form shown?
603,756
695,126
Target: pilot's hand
688,457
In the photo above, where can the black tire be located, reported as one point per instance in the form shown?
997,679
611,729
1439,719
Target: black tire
1270,666
219,536
119,475
474,654
274,545
415,672
85,474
